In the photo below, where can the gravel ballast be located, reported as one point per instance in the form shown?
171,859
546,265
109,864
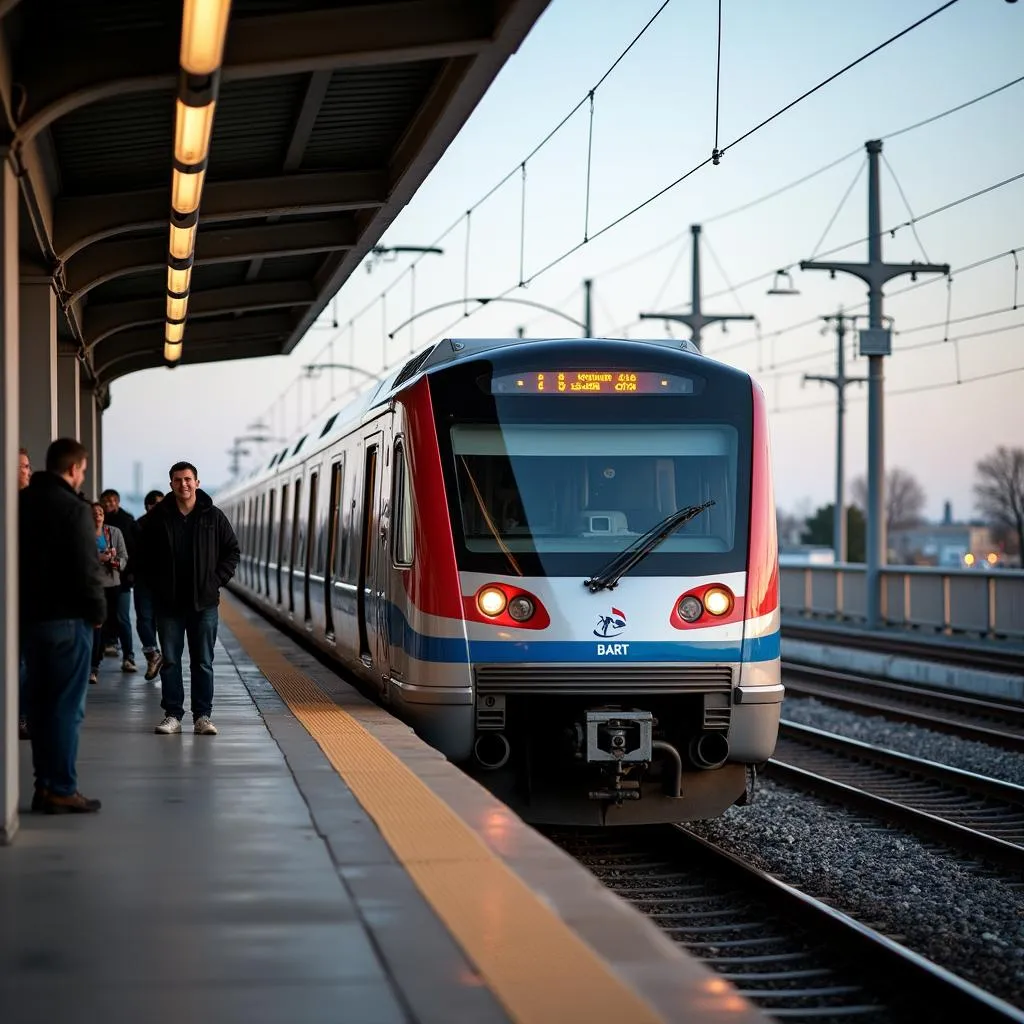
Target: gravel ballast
953,913
968,755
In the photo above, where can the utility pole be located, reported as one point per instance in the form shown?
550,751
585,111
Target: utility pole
588,320
876,344
696,319
839,381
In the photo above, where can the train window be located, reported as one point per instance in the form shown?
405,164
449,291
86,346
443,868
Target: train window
591,487
366,557
260,534
282,541
269,551
403,547
332,545
296,541
310,540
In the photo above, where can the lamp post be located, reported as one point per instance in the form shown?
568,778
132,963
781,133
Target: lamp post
876,344
696,319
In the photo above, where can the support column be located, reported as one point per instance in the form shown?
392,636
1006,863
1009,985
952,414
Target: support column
69,416
9,443
37,315
87,435
98,444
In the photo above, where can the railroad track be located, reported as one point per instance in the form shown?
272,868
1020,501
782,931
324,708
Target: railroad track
793,956
968,717
981,816
990,657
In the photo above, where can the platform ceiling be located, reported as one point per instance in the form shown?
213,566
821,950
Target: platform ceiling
330,116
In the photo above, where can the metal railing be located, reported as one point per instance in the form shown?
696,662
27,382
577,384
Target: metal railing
954,602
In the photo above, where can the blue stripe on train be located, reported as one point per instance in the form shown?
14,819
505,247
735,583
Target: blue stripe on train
453,649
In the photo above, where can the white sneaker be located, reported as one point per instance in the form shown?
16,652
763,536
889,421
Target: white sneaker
168,726
204,727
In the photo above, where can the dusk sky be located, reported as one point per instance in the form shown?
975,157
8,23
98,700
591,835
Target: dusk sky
654,119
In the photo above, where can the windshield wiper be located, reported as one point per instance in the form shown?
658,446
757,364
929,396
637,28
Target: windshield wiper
609,576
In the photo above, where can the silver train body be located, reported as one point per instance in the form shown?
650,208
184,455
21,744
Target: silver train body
476,540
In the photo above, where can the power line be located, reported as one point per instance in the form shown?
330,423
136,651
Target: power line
915,389
714,158
810,176
841,71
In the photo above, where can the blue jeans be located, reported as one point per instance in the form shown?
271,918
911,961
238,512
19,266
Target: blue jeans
57,657
201,630
119,603
145,617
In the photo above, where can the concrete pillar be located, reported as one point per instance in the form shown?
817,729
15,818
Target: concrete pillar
37,313
69,417
88,430
99,446
9,443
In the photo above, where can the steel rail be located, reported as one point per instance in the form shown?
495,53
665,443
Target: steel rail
932,709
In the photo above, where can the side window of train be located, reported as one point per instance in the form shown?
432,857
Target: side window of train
332,561
282,540
402,531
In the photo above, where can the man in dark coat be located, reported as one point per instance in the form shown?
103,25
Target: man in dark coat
61,603
189,552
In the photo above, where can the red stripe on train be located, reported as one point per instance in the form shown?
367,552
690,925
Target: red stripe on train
433,581
762,595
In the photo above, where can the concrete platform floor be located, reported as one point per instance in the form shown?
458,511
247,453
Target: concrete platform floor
202,891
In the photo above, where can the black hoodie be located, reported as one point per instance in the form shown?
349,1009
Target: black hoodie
59,567
215,554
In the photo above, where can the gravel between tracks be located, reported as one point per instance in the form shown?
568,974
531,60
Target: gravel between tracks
969,923
968,755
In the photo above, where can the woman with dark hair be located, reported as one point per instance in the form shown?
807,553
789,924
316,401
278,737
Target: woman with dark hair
113,556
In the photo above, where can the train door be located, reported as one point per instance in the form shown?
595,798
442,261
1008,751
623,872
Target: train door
400,553
373,566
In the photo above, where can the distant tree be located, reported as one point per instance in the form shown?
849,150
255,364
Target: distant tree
904,498
819,530
790,526
999,490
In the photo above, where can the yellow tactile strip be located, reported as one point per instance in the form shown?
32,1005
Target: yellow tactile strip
535,965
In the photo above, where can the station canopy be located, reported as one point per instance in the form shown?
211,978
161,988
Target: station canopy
329,115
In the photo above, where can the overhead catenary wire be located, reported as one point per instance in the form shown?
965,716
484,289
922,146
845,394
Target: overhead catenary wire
742,207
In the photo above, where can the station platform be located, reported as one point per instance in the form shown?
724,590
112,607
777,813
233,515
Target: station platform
313,862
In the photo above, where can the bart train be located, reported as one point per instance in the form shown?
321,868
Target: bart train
556,560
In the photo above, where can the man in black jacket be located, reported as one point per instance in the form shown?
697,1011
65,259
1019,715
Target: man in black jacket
189,552
61,602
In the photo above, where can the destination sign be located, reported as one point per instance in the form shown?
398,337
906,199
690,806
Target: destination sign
592,382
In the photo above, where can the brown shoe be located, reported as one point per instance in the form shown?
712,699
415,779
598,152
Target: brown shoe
73,804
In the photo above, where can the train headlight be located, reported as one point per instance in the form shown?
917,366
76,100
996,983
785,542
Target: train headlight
491,601
690,609
718,601
521,608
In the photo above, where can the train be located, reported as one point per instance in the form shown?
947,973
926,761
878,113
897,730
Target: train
555,559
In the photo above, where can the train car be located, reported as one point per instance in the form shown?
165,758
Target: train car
556,560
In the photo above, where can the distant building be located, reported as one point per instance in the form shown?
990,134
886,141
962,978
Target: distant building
947,544
806,554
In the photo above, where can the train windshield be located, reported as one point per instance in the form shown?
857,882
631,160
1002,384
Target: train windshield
571,494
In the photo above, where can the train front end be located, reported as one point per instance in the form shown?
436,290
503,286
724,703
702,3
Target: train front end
614,533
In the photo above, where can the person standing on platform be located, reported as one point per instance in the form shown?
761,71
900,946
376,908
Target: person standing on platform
145,616
189,551
24,476
119,623
61,599
113,558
